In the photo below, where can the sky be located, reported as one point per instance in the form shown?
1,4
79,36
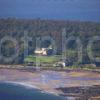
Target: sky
88,10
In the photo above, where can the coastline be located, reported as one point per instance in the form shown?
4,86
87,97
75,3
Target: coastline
57,83
22,84
30,86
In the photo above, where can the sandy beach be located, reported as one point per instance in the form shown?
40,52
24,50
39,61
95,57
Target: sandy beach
55,82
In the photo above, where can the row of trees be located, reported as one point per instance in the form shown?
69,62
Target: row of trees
39,28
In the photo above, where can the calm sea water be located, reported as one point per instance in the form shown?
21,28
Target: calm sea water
85,10
17,92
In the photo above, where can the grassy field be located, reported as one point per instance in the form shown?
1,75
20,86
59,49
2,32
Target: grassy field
42,59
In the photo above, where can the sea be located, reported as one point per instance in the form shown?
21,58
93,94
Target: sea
10,91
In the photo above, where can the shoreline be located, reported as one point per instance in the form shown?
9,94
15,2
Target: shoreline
30,86
55,83
22,84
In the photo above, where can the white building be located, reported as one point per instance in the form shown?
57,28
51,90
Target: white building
42,51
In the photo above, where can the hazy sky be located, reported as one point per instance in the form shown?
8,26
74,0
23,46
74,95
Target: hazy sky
51,9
